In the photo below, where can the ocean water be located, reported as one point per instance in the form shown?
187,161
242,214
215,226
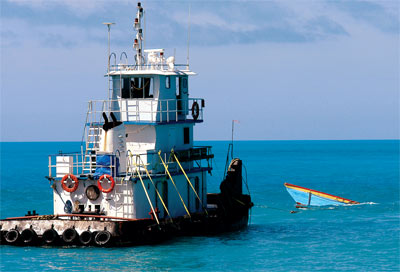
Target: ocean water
363,237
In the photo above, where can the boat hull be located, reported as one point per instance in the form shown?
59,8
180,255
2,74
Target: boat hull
309,197
116,232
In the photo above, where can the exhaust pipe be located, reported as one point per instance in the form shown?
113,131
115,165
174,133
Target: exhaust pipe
28,236
86,238
12,236
50,237
102,238
69,235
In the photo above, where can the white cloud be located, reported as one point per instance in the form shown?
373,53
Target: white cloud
209,19
79,7
19,32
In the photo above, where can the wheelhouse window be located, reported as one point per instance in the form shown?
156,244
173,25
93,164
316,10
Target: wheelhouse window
167,82
137,87
184,82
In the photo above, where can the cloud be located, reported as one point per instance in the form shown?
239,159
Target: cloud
315,69
206,19
81,8
72,23
383,15
18,32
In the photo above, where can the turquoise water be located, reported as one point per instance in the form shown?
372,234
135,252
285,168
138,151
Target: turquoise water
355,238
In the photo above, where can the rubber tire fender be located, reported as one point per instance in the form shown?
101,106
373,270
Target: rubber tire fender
28,236
50,237
70,235
12,236
102,238
86,238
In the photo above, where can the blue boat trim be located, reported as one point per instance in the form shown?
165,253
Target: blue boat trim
309,197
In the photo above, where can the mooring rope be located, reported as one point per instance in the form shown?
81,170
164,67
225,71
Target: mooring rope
274,208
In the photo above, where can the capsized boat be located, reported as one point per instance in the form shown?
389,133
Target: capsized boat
139,178
309,197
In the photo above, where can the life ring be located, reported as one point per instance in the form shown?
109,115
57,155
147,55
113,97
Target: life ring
101,187
195,110
64,185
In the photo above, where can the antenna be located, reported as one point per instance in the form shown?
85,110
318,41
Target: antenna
108,55
144,29
230,149
138,42
233,125
108,63
188,41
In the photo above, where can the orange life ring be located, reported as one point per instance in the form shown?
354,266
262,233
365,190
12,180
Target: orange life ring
101,187
195,110
64,185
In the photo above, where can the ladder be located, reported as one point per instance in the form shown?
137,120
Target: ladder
125,205
92,146
132,110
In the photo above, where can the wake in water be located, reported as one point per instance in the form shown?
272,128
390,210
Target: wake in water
299,208
275,208
367,203
333,207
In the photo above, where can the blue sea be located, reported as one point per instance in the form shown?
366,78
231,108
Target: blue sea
363,237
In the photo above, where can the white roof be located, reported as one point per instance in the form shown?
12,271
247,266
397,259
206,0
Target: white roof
152,72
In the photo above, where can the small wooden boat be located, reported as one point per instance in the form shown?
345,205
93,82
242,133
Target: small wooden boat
308,197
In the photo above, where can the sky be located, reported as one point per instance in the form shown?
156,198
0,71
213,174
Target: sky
287,70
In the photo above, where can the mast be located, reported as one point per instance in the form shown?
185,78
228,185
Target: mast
188,42
108,60
138,42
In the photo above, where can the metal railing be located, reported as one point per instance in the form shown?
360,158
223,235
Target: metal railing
146,110
75,163
154,66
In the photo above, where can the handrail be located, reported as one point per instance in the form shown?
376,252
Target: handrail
126,57
115,59
147,195
149,152
83,164
188,180
140,99
155,187
78,165
139,110
155,66
172,180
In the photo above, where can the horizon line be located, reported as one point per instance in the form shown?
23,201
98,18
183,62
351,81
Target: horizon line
269,140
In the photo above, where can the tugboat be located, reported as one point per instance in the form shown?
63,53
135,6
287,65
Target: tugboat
138,177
